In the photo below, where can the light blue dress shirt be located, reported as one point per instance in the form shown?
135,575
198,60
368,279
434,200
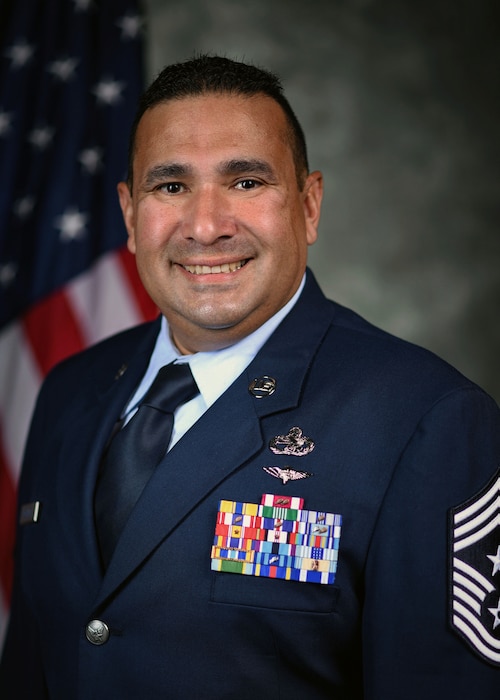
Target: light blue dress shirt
213,371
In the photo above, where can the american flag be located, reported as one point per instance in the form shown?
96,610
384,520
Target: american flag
70,76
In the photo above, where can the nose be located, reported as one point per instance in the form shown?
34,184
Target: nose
210,216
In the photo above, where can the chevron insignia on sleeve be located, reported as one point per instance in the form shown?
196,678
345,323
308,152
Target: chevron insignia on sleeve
475,571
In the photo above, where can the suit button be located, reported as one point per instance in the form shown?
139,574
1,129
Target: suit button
97,632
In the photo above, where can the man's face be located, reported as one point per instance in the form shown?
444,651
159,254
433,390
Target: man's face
216,219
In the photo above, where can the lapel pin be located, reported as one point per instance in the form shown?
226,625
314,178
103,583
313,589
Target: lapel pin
286,474
121,372
262,387
294,443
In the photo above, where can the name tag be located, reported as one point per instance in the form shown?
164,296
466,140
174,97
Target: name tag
30,513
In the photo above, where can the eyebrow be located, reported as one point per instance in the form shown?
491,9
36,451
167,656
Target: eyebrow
233,167
167,171
243,166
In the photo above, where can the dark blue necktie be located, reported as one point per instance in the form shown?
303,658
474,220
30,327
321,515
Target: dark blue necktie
136,450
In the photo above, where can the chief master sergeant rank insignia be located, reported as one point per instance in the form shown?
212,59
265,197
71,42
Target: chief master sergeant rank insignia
475,571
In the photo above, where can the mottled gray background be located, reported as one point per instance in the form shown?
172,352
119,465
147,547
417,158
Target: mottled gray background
400,103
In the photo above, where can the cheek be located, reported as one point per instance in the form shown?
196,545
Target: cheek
150,230
274,223
286,232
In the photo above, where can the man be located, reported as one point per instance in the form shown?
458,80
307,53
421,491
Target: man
325,522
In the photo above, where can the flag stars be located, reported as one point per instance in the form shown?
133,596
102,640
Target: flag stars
91,159
108,91
130,25
20,53
5,122
24,206
82,5
63,68
495,558
72,225
8,273
41,137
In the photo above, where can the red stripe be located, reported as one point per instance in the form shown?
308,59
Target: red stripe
7,526
148,308
52,330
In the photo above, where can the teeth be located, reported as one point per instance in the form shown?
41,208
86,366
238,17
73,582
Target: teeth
207,270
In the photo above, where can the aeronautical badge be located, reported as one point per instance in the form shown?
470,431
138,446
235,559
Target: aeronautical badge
293,443
475,571
286,474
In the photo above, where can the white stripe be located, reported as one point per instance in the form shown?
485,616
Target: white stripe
103,299
477,505
19,384
478,535
479,519
471,587
477,623
467,599
471,621
476,642
472,573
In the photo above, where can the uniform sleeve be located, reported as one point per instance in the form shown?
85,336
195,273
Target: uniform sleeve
411,649
21,671
21,665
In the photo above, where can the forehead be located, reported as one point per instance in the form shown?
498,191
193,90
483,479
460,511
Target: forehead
215,122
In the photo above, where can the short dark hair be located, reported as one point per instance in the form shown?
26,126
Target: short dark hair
217,74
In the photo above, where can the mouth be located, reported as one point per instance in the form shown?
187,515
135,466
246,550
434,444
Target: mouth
215,269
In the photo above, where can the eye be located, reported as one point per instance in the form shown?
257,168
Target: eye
247,184
171,187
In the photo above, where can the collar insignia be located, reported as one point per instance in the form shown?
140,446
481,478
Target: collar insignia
121,372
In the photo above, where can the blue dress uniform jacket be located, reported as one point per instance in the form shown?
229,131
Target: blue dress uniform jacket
399,438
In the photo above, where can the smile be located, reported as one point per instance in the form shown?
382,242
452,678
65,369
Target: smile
216,269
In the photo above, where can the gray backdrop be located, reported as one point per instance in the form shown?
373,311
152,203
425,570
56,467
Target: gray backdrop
400,103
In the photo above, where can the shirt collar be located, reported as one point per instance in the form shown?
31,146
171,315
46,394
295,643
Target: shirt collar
213,371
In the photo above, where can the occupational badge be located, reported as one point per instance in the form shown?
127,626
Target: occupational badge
475,571
293,443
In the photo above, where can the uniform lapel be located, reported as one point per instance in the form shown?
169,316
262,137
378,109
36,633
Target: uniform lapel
99,406
223,439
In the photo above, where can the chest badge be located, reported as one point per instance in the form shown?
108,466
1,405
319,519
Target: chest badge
286,474
294,443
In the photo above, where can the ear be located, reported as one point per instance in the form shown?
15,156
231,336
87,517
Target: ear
312,196
127,207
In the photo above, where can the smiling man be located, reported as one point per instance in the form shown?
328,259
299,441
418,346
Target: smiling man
259,495
218,216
